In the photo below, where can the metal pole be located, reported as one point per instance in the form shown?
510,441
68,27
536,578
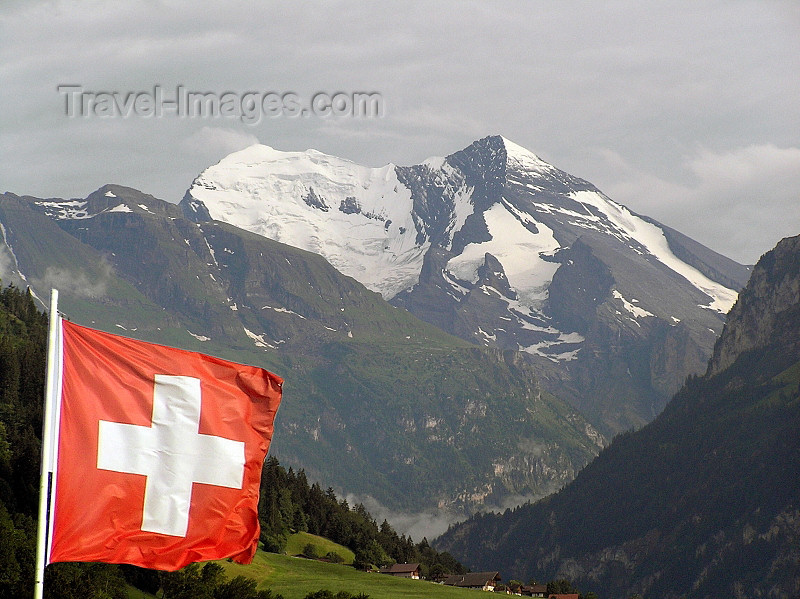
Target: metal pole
47,446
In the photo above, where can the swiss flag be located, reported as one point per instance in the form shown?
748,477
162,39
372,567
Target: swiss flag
158,453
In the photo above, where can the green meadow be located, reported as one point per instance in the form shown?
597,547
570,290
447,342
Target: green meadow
298,542
295,577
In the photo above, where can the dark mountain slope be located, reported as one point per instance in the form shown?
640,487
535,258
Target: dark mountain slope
704,501
376,402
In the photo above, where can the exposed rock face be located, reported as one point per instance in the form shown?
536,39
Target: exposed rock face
491,274
767,308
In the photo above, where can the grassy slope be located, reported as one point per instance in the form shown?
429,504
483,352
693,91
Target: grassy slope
295,577
298,541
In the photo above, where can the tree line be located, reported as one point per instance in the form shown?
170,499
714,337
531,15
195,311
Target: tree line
289,504
23,343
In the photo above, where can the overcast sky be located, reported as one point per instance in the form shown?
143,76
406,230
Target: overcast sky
686,111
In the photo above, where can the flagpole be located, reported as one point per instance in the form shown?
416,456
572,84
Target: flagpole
47,447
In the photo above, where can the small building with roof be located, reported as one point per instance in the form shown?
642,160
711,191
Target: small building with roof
403,570
485,581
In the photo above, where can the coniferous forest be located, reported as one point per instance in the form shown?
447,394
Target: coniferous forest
288,502
23,343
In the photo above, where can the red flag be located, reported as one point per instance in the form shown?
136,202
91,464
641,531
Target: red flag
159,453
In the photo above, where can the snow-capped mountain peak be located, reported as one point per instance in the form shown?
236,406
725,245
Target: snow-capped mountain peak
491,243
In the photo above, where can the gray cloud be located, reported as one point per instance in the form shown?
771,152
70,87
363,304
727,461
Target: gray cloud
652,102
435,522
428,524
74,283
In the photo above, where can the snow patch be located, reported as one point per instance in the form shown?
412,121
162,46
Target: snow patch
538,349
486,335
650,236
211,251
517,248
257,339
635,310
519,158
284,310
68,210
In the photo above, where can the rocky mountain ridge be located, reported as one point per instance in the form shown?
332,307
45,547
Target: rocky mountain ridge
765,310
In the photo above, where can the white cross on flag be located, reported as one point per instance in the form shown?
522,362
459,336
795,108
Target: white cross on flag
158,453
